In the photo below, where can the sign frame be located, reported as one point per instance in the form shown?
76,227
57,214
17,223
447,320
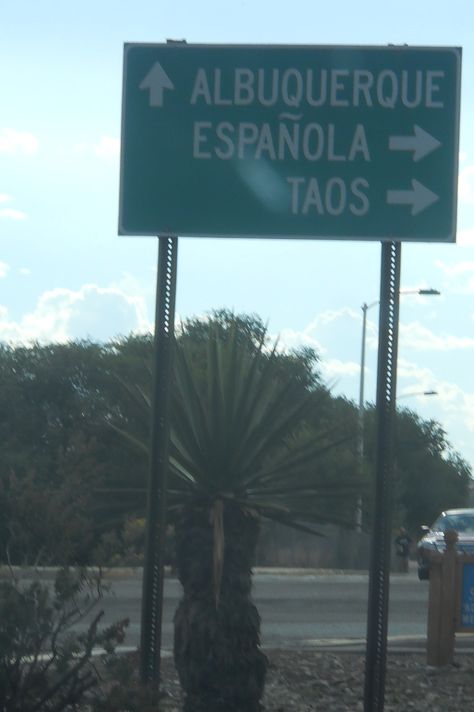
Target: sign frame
401,193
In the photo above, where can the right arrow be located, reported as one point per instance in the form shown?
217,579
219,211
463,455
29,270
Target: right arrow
421,143
419,197
156,81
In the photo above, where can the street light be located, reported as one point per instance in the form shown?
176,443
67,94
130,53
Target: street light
417,393
365,307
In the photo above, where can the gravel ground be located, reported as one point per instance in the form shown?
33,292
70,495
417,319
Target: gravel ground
314,681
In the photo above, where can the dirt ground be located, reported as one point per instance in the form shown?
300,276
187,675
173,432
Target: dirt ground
314,681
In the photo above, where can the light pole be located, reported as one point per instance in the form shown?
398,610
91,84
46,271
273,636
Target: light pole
365,307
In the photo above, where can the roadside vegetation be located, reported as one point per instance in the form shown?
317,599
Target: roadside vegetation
61,460
45,664
248,443
256,436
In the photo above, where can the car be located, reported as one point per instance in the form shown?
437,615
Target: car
462,521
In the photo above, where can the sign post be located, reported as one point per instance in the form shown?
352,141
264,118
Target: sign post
379,574
153,568
331,142
355,143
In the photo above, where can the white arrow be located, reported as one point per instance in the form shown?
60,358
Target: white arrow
156,81
421,143
419,197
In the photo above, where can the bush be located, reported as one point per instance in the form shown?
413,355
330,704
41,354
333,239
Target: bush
127,692
45,665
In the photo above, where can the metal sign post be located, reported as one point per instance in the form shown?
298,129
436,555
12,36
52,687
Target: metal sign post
153,570
379,574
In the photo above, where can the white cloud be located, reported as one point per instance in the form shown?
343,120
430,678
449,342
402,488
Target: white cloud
418,337
17,142
415,379
307,336
456,269
460,275
457,406
320,334
421,374
3,269
25,271
335,332
466,185
108,147
333,368
468,399
80,147
12,214
452,406
331,315
90,312
465,237
290,339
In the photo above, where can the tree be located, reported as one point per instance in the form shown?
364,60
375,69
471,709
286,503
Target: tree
44,423
56,449
243,447
429,476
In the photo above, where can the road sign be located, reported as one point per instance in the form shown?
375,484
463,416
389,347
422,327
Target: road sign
328,142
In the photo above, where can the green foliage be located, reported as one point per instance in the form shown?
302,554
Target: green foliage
62,462
250,424
244,430
429,476
301,364
57,448
28,501
122,547
46,429
45,665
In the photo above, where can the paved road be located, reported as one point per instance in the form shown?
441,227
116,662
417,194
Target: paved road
297,609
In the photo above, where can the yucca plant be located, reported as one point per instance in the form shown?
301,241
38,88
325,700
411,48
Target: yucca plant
243,447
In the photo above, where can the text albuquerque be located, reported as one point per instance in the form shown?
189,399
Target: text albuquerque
324,87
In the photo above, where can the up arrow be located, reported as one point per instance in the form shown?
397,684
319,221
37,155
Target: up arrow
156,81
421,143
419,197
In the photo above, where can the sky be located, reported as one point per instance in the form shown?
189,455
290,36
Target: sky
65,273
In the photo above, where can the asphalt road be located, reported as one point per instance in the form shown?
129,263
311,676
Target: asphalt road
298,610
319,609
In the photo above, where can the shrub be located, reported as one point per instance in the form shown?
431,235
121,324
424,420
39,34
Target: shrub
45,664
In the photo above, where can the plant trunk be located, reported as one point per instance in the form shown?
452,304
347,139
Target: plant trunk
217,637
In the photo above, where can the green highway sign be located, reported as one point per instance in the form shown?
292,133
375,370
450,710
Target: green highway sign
278,141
